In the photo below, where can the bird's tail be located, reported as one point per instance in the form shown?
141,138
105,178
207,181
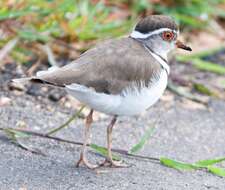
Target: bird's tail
39,78
22,80
27,80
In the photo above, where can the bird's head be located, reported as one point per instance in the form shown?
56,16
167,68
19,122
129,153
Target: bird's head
159,33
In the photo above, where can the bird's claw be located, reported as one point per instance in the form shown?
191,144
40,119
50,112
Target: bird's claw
85,162
114,164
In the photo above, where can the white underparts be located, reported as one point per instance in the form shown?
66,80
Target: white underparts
132,101
139,35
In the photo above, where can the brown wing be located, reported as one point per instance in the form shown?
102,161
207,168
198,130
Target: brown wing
109,67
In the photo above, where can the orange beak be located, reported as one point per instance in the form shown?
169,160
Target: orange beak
181,45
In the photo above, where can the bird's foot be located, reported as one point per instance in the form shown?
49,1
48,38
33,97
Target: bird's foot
113,164
110,164
86,163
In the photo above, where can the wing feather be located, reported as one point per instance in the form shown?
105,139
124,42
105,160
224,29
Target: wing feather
109,67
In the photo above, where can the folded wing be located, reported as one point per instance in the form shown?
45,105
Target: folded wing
109,67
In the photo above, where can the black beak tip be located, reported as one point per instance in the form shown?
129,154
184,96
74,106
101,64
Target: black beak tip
188,49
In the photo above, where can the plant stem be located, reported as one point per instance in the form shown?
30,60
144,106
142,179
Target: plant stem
74,117
42,135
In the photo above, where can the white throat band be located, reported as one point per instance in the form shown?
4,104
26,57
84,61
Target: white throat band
160,60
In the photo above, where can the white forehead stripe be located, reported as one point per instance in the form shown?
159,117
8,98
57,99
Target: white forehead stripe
137,34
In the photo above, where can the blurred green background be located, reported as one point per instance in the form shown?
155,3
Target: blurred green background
66,24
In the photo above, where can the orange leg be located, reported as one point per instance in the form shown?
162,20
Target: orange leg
83,159
109,160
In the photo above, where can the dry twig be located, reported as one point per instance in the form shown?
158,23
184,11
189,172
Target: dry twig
8,47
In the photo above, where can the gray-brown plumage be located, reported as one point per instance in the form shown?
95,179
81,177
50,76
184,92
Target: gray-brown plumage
109,67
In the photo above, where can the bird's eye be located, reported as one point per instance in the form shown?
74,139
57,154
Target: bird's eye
167,36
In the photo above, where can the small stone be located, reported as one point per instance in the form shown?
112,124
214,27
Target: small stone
18,93
34,90
191,105
21,124
67,104
55,97
4,101
16,86
22,188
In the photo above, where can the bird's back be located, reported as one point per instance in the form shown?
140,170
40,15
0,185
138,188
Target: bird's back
109,67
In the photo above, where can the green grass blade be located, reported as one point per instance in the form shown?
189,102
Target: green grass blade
202,65
208,162
142,142
203,89
14,134
189,20
182,92
103,151
208,66
217,171
206,53
177,165
74,117
16,137
184,58
33,36
199,55
9,14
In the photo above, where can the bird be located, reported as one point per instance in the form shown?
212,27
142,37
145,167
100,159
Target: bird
119,77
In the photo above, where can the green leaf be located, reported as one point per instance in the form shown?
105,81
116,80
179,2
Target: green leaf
142,142
16,137
208,162
103,151
217,171
203,89
208,66
9,14
14,134
32,36
177,165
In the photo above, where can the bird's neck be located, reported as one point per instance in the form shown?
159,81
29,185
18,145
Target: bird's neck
159,50
162,53
160,59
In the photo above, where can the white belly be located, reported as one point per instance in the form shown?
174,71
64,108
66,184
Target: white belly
130,102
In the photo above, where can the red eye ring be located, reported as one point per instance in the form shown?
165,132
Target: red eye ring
167,36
